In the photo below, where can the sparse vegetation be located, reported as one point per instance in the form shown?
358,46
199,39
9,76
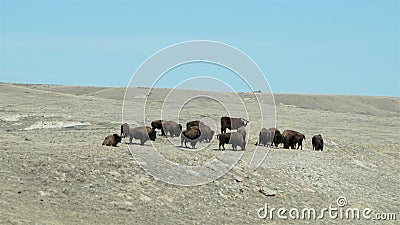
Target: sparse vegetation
63,175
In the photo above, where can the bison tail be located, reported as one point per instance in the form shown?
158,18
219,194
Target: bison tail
122,131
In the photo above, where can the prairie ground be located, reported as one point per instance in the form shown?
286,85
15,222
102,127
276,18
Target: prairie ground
54,170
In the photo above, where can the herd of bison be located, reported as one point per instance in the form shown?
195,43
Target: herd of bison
197,131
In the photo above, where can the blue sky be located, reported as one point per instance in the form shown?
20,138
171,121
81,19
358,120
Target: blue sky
321,47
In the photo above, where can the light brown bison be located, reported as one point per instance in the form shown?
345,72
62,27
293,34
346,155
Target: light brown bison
172,128
264,137
206,133
317,142
194,123
142,133
192,135
232,123
124,130
271,136
158,124
112,140
234,138
291,138
242,130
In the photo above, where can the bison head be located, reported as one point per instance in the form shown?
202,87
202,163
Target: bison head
117,138
152,134
278,139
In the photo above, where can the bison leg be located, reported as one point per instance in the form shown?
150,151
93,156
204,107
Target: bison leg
300,144
130,139
234,147
286,144
292,144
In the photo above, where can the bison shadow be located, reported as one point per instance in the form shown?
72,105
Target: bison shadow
228,149
179,146
133,143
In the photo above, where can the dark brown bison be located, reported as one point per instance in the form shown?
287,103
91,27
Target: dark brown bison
223,139
112,140
142,133
192,135
158,124
232,123
206,133
317,142
194,123
278,138
234,138
172,128
291,138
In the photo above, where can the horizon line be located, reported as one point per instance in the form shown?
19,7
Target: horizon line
256,91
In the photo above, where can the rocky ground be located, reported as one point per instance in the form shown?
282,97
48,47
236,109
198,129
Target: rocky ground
54,170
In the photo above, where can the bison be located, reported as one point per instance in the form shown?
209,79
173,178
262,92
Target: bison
264,137
206,133
112,140
234,138
271,136
192,135
124,130
194,123
158,124
317,142
242,130
142,133
291,138
172,128
232,123
278,138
